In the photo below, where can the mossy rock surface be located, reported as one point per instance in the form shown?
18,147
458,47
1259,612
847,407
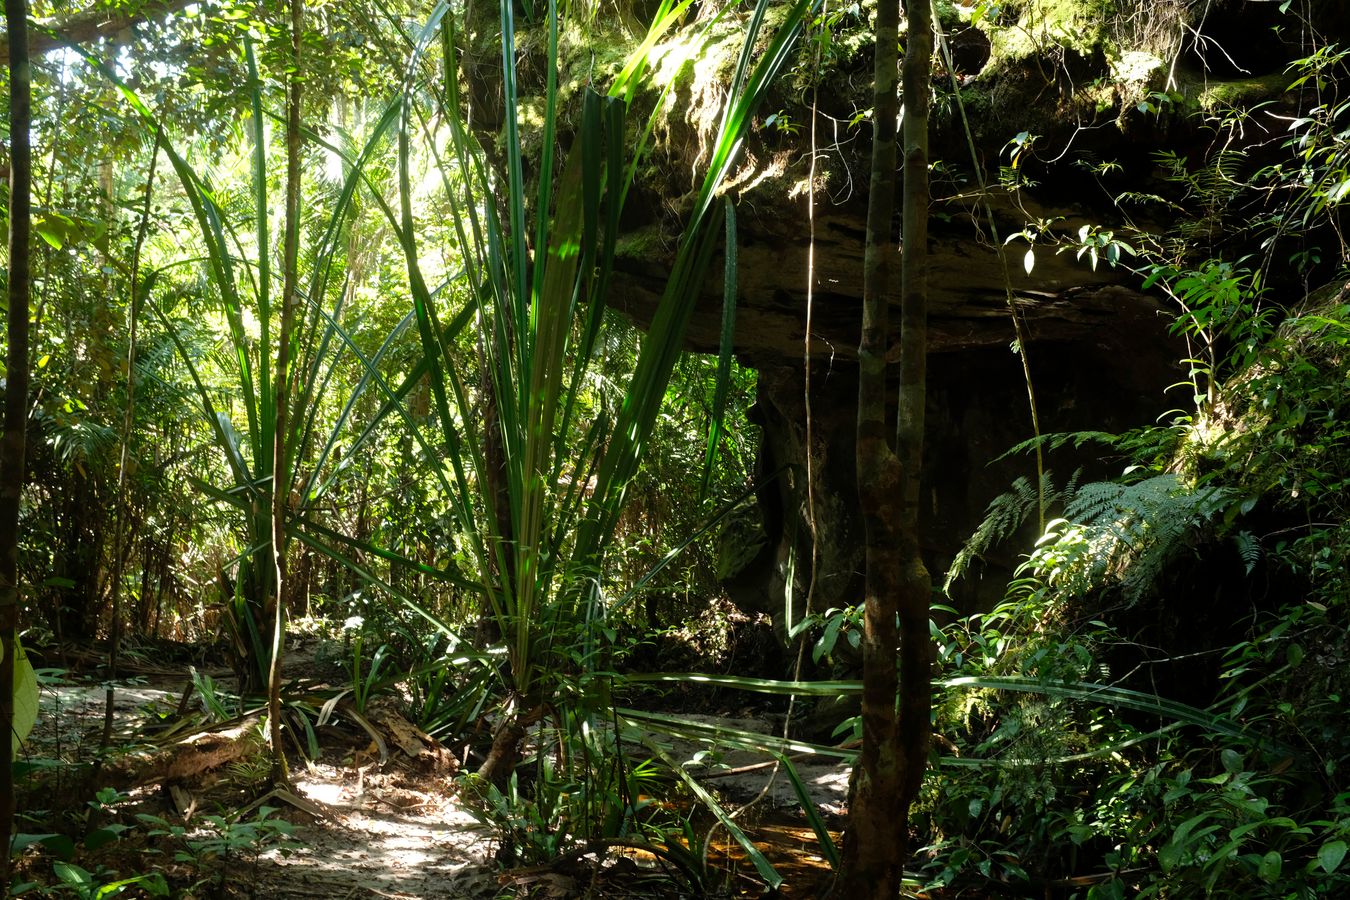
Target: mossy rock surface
1243,92
1030,28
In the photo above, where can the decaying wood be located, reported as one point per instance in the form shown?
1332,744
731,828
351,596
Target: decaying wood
400,732
188,758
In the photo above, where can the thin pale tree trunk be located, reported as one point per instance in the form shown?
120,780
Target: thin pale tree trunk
121,538
280,445
16,398
890,766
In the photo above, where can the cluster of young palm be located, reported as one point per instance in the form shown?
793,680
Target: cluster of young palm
533,461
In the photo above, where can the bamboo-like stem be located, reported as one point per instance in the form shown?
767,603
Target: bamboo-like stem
914,722
891,763
874,841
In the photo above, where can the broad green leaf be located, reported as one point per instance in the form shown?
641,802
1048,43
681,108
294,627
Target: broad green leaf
101,837
1331,856
59,844
73,875
25,697
1271,866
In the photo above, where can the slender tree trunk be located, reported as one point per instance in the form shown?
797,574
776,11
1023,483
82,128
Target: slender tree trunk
890,767
122,540
875,840
280,445
916,584
16,398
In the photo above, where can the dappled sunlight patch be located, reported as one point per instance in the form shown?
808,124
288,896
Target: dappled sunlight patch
388,834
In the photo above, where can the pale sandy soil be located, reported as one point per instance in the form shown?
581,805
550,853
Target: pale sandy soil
401,832
388,838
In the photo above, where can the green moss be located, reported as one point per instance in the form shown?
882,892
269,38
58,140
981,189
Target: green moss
948,13
1242,92
1077,25
644,243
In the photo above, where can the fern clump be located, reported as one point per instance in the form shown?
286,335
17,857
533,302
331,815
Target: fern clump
1108,532
1007,514
1125,534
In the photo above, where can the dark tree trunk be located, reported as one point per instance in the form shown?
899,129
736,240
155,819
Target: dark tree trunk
16,397
890,767
874,844
916,584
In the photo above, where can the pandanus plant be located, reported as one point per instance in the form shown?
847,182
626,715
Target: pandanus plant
538,491
241,282
536,471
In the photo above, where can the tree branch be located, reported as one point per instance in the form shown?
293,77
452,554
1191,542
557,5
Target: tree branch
90,26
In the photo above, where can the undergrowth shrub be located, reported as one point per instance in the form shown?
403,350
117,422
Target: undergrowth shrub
1216,570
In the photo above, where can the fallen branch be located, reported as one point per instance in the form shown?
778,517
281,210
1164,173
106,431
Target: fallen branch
187,759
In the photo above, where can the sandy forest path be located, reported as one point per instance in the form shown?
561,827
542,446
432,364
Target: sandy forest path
392,829
390,836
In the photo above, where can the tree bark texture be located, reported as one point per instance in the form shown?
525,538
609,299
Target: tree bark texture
16,397
891,764
280,444
916,584
874,843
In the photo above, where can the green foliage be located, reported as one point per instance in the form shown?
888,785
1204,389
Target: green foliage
543,812
73,879
1255,481
538,463
363,683
25,698
211,847
1126,533
834,623
1077,784
79,882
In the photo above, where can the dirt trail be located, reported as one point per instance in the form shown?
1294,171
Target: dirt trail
397,832
390,838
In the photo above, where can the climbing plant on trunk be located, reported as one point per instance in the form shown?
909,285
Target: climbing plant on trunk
890,766
281,461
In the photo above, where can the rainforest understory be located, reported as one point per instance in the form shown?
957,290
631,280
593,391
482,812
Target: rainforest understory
552,448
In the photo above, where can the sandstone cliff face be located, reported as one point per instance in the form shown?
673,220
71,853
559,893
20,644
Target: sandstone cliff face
1092,89
1099,352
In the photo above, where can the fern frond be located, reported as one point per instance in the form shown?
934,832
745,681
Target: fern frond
1249,548
1060,439
1128,533
1005,514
